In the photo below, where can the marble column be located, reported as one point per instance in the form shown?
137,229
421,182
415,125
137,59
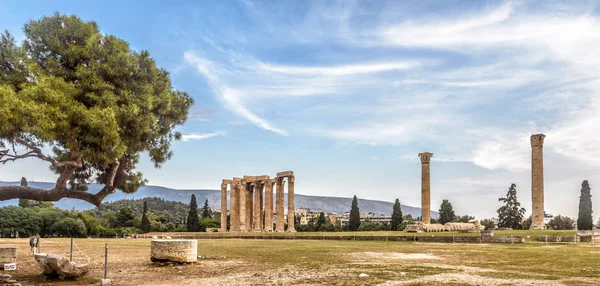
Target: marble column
223,206
243,207
256,209
269,206
425,187
234,207
250,207
291,207
261,196
280,222
537,181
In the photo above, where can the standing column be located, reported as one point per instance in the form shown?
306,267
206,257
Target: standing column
223,206
280,223
256,218
269,206
291,208
243,207
234,207
537,181
425,187
261,207
249,207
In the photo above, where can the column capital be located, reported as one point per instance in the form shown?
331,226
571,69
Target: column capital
537,140
425,157
291,179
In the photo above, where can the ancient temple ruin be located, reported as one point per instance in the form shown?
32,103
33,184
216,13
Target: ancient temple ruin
251,203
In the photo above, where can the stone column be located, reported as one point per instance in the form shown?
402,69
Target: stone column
537,181
234,207
223,206
269,206
256,210
425,187
291,208
243,207
249,207
280,223
261,196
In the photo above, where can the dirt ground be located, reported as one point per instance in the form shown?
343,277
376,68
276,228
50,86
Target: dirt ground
270,262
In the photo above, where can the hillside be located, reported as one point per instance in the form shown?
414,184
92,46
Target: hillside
326,204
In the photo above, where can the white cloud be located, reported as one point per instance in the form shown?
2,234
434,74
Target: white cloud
197,136
340,70
230,96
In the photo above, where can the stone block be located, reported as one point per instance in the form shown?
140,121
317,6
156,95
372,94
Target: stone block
8,254
105,282
181,251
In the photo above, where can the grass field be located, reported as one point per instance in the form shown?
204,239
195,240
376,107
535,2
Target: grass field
309,262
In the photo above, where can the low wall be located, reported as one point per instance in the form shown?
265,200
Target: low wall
440,239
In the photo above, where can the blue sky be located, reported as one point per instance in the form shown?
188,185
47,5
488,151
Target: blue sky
346,94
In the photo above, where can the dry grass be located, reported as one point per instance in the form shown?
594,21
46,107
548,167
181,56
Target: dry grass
309,262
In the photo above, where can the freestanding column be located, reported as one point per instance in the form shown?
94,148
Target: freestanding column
256,218
243,207
224,206
291,208
269,206
234,207
280,222
425,187
537,181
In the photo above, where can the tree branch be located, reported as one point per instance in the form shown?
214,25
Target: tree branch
5,156
20,192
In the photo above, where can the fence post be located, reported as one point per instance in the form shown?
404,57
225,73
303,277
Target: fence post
105,259
71,253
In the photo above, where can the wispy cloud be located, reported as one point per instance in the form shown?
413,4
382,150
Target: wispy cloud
197,136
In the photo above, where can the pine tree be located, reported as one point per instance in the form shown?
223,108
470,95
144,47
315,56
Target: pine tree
511,214
145,226
396,216
206,212
24,203
585,220
354,222
446,212
193,222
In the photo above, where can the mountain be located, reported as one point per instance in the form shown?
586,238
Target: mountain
326,204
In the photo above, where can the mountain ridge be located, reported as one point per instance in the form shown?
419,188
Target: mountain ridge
330,204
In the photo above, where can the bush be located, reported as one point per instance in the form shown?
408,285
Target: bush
69,227
561,223
488,223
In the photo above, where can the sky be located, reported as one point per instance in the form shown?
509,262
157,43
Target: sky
347,93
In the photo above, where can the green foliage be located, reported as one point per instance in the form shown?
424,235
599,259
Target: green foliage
145,225
193,222
488,223
24,203
527,223
92,225
125,217
69,227
396,216
585,221
321,220
403,225
169,211
561,223
206,212
372,226
511,214
354,221
88,96
16,219
207,222
464,218
446,212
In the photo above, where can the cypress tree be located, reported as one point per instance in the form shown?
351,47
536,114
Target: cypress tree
511,214
446,212
321,221
584,219
24,203
193,222
206,212
396,216
145,220
354,222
